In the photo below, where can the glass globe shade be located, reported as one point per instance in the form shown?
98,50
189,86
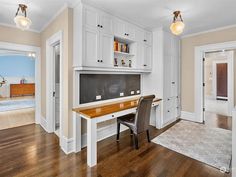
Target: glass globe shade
22,22
177,27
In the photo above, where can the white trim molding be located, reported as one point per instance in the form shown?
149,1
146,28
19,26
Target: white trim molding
103,133
234,143
36,50
199,55
43,123
208,31
55,39
67,145
54,17
190,116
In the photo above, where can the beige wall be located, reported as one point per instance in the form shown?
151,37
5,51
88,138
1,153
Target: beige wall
187,56
14,35
62,22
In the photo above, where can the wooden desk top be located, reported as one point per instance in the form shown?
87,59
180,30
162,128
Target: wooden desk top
101,110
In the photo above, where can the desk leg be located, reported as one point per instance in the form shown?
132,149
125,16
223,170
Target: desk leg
158,116
91,142
77,132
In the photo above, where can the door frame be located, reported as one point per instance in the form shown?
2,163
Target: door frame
50,43
199,93
37,51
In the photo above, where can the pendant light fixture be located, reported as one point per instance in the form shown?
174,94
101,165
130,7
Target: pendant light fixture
21,20
177,26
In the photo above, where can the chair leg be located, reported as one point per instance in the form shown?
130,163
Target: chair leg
118,132
136,141
131,132
148,137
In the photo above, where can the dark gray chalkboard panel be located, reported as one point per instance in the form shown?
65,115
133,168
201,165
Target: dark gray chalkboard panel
109,86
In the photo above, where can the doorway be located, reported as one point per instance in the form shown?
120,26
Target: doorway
56,86
17,88
54,89
217,82
25,81
200,52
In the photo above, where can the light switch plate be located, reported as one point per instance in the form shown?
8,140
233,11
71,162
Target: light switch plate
122,94
132,92
98,97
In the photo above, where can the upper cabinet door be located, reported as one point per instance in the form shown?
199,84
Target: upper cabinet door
129,31
148,57
119,28
91,47
139,35
91,17
148,38
106,23
106,49
167,43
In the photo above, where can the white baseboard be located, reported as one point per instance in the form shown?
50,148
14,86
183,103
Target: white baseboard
67,145
104,133
43,123
188,116
168,123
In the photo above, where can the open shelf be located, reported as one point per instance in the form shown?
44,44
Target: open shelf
123,53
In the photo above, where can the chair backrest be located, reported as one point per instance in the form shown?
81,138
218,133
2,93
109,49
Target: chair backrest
142,117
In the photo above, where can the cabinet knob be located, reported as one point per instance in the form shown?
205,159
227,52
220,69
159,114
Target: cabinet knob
101,60
168,99
168,111
127,34
98,61
98,26
144,65
101,26
145,40
173,82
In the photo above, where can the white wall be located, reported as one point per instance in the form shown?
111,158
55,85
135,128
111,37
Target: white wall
5,89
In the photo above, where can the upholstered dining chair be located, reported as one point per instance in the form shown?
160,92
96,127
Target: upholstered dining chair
139,121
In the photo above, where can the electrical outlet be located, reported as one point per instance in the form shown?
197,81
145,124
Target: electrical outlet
138,91
98,97
132,92
122,94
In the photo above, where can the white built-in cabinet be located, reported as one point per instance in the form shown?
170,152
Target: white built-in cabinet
94,35
171,95
98,39
164,80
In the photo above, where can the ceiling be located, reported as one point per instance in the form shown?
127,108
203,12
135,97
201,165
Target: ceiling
39,11
198,15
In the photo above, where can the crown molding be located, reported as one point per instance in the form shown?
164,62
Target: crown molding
208,31
66,5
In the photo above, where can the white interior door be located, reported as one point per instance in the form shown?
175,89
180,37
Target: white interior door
56,86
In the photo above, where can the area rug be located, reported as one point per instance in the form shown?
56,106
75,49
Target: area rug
212,146
10,105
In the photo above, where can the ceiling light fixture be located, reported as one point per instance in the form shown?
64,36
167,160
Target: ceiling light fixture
21,20
177,26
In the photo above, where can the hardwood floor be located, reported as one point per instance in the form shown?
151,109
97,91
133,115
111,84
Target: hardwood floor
30,151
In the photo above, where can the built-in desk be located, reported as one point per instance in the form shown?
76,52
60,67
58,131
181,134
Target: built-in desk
100,113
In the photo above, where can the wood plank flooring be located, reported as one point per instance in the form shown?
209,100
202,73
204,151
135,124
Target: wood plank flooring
28,151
